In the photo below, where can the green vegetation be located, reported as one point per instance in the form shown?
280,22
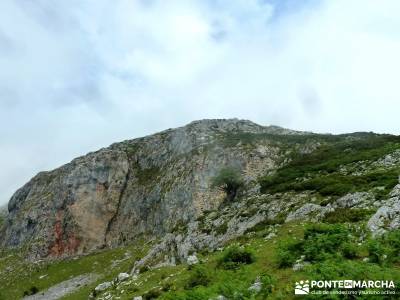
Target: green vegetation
221,229
385,250
343,215
320,170
19,277
234,256
321,242
230,180
32,291
147,176
332,249
199,276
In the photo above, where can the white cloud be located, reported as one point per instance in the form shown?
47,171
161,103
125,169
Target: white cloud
78,75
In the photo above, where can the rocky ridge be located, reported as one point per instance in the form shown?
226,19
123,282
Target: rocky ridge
142,188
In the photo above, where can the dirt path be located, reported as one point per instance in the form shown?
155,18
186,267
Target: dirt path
63,288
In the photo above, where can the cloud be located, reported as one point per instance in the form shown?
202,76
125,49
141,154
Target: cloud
79,75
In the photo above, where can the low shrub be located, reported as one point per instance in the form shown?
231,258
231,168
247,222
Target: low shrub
220,230
267,285
32,291
199,276
234,256
342,215
323,240
195,294
288,251
349,250
152,294
385,249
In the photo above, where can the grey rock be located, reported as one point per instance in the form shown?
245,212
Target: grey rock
123,276
358,199
103,286
192,260
256,286
387,217
270,236
300,265
308,211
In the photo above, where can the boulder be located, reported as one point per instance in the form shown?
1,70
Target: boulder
308,211
256,286
123,276
387,217
192,260
103,286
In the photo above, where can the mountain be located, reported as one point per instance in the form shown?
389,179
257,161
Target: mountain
141,187
157,203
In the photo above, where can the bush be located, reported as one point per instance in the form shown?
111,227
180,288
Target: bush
342,215
349,250
231,289
385,249
267,286
288,251
230,180
221,229
234,256
323,240
377,251
195,294
198,276
152,294
32,291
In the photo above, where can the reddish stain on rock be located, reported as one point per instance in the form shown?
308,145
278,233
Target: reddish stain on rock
64,242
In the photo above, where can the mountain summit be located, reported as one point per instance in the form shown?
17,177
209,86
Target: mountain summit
137,188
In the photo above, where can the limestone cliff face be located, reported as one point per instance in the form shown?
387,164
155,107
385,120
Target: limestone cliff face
141,188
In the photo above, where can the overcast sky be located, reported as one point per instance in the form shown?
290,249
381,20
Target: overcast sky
78,75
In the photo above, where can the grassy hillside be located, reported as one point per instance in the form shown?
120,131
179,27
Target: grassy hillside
334,251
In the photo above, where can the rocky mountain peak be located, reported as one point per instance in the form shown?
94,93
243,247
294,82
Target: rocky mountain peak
140,187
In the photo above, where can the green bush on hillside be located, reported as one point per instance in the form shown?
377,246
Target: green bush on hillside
321,167
385,249
199,276
233,257
342,215
321,242
32,291
288,251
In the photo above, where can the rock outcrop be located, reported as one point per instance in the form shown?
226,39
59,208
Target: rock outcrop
387,217
138,188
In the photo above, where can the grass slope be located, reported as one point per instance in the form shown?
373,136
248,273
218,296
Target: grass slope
333,251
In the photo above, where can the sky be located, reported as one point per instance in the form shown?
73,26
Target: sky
78,75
